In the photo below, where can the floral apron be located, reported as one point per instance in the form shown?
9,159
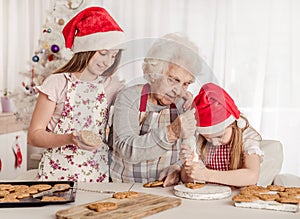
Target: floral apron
81,112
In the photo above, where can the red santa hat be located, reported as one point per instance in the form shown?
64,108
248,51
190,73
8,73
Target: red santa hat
93,29
215,110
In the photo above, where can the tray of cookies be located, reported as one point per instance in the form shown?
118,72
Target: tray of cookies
36,193
272,197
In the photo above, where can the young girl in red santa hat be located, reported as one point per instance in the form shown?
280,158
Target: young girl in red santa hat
77,97
229,147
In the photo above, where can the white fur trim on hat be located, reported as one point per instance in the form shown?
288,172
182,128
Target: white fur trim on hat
99,41
241,123
216,128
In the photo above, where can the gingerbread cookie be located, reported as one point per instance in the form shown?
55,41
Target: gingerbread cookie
244,198
21,194
276,188
253,189
268,197
122,195
101,206
195,185
155,183
61,187
295,190
3,193
20,187
12,195
89,138
9,199
41,187
288,200
52,199
7,187
32,191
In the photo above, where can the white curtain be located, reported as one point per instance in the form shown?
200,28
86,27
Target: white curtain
20,23
250,46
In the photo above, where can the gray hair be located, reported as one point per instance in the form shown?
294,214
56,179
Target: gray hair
172,48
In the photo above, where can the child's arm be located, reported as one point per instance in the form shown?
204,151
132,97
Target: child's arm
248,175
37,134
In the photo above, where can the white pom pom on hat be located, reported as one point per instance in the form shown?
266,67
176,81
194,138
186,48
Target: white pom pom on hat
215,110
241,123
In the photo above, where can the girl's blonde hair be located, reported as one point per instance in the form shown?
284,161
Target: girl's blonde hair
81,60
236,142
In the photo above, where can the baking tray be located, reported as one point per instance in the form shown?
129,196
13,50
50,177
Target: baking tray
69,194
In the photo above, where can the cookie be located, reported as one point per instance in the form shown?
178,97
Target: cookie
195,185
276,188
41,187
20,187
12,195
9,200
155,183
32,191
23,194
101,206
61,187
268,197
122,195
3,193
7,187
253,189
295,190
52,199
89,138
287,194
244,198
288,200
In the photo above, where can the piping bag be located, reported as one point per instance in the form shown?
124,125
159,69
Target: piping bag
191,142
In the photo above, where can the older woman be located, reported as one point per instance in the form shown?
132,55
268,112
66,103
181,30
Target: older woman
150,120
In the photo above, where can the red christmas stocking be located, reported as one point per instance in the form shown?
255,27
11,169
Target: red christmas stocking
18,153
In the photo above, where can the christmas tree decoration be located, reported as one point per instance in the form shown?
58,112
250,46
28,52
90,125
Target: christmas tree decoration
61,21
49,55
54,48
18,153
35,58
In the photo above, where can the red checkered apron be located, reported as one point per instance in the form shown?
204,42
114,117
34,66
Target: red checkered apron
143,106
217,157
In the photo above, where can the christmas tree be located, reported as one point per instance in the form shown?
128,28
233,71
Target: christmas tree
49,55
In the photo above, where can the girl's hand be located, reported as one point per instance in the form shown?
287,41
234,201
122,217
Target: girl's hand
76,141
195,170
188,97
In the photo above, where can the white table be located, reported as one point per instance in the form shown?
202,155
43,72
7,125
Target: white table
213,209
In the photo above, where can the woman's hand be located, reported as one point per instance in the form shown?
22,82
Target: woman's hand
184,125
186,153
188,97
171,175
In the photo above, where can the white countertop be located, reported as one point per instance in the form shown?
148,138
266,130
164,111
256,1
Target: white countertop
213,209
